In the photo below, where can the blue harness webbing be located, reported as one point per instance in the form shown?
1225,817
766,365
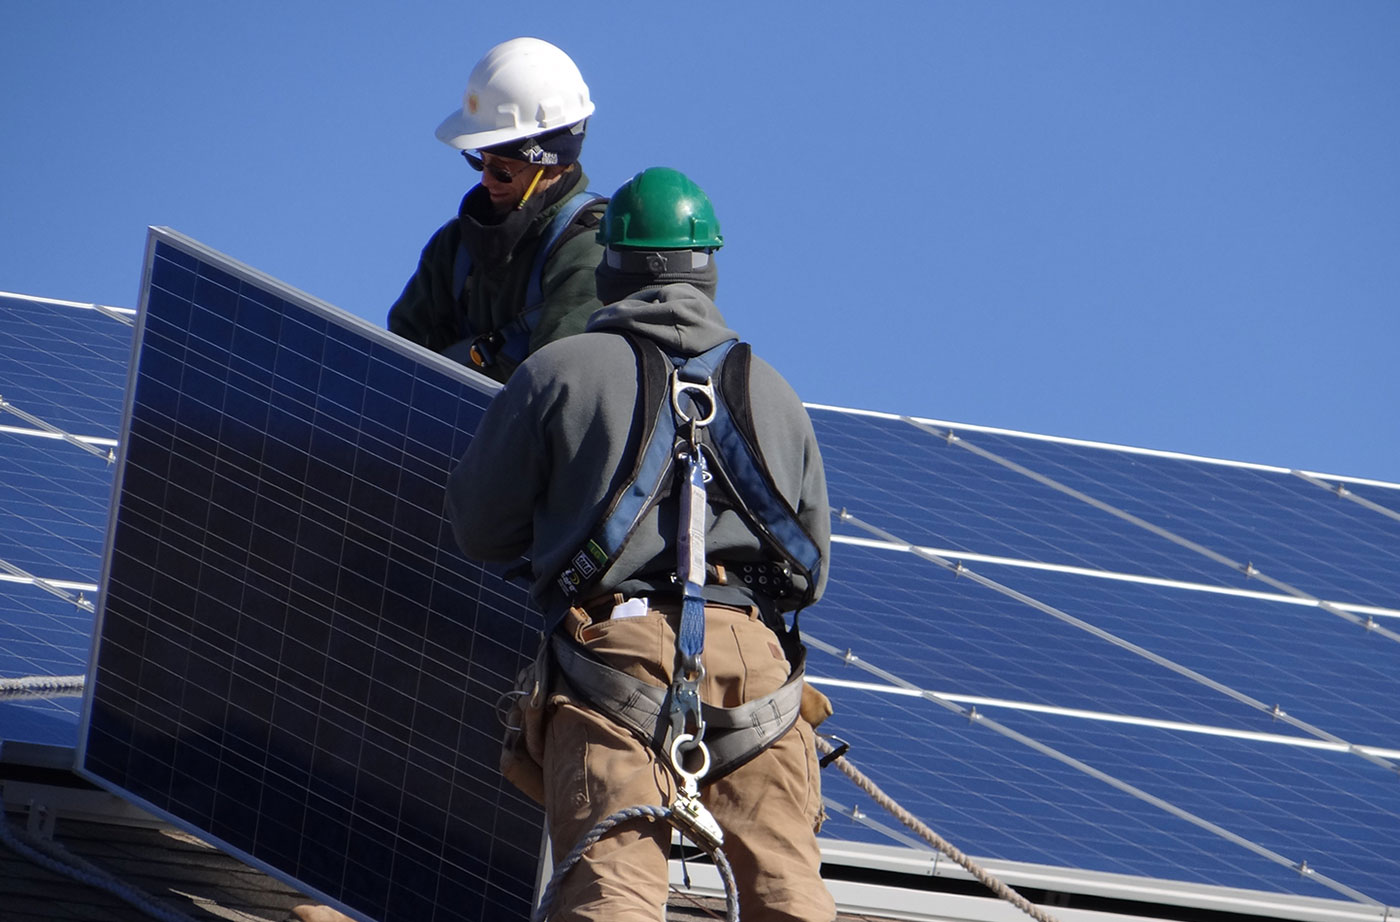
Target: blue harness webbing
512,341
675,414
737,464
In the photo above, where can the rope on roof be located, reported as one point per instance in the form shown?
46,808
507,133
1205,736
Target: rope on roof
59,860
42,686
985,877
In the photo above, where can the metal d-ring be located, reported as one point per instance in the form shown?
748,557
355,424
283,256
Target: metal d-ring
689,780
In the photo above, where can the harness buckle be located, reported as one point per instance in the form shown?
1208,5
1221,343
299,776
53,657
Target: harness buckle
483,348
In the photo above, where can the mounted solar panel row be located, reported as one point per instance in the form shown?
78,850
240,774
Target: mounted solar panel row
62,373
293,659
910,479
1140,731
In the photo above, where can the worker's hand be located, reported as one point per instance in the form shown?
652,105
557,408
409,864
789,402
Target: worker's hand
309,913
815,706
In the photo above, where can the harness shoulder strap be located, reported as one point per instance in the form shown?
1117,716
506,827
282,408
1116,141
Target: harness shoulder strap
513,339
649,479
575,206
744,472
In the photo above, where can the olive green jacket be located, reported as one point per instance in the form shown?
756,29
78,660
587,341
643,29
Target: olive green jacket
430,313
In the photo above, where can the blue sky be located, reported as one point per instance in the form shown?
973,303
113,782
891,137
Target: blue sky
1173,225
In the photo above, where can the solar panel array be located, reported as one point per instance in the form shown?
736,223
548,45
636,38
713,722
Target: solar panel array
1095,658
293,659
1079,658
63,370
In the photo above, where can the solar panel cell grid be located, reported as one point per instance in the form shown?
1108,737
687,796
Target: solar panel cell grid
949,633
1315,665
281,588
1286,527
997,798
926,491
65,364
1334,822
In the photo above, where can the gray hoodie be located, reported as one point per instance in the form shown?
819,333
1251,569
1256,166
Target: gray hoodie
553,445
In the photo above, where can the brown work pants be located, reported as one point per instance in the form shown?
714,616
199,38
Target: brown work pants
769,808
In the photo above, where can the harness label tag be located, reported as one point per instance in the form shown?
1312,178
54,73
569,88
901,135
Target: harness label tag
695,566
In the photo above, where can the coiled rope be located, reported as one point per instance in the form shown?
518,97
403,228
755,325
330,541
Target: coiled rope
59,860
928,835
726,873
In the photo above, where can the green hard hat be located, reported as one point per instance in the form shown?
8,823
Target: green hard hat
660,209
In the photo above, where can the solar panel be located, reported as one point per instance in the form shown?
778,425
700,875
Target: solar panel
293,659
62,374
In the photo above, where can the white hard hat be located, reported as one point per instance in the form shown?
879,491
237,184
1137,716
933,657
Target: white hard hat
521,88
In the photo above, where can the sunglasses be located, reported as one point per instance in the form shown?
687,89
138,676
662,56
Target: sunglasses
498,173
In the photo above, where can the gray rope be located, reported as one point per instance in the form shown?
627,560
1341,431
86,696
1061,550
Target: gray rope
726,873
943,845
64,863
42,686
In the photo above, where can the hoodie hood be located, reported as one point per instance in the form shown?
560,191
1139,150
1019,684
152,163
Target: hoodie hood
679,317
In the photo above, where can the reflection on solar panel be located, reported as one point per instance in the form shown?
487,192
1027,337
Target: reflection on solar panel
63,369
293,659
1109,671
1104,660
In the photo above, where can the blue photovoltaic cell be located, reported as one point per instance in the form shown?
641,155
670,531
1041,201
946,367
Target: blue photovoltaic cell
925,491
41,635
1288,528
1317,667
64,364
1386,497
950,634
53,507
293,659
1342,822
997,798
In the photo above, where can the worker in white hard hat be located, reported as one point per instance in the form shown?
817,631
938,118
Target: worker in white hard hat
514,269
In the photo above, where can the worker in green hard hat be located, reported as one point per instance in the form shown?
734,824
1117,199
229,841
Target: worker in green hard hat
666,486
514,269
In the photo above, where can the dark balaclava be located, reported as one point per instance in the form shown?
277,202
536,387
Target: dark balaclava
623,273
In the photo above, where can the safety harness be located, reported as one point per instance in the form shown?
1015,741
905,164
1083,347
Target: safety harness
512,341
693,432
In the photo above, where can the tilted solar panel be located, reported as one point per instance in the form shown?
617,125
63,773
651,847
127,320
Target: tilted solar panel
293,658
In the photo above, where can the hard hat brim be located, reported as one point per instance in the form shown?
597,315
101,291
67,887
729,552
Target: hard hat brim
464,133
